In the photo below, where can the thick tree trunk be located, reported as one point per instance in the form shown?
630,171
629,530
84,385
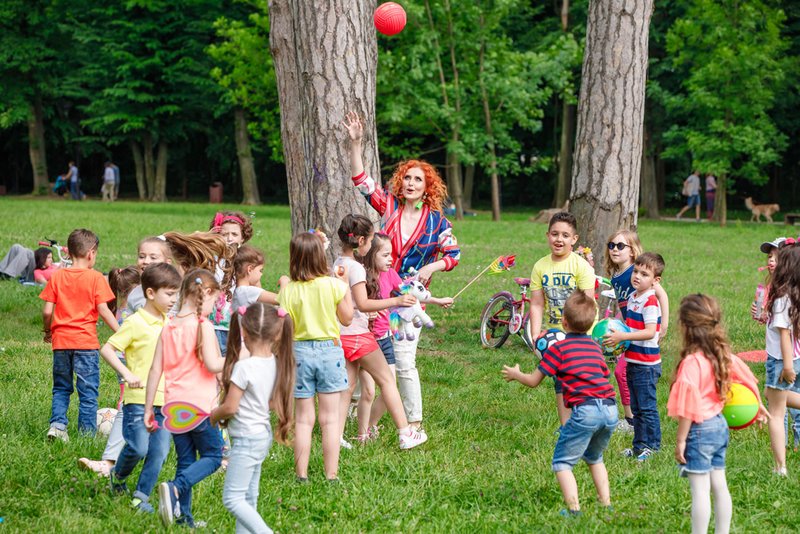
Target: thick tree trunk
453,175
469,186
160,187
608,149
720,201
138,162
487,124
245,155
649,188
149,165
565,153
326,59
36,147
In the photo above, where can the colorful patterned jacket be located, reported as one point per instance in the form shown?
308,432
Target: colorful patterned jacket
433,236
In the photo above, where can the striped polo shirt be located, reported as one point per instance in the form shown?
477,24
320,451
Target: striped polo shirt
580,366
643,310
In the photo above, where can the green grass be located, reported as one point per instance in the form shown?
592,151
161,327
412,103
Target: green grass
486,467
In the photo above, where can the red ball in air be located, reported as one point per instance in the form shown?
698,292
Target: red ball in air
390,18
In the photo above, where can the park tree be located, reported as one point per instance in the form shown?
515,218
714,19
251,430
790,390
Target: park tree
608,147
325,57
729,56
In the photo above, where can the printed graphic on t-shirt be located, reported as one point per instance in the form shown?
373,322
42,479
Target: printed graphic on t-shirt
557,288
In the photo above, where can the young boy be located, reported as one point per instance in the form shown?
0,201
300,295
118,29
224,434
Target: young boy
579,365
643,357
554,278
74,298
137,338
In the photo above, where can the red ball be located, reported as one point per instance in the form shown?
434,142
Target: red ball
390,18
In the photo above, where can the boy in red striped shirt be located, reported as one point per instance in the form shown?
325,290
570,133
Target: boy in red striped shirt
580,366
643,356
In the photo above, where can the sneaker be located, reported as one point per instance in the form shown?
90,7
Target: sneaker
374,431
363,439
142,506
343,443
628,453
117,485
412,439
168,506
301,480
56,433
570,513
644,455
101,467
780,471
624,426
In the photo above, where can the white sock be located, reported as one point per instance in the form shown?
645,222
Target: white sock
700,485
723,507
406,430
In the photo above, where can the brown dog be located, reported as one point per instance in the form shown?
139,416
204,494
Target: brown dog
767,210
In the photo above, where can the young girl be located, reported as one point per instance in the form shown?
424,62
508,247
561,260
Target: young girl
360,348
249,387
151,250
622,249
249,268
382,281
704,374
783,349
44,265
187,355
235,229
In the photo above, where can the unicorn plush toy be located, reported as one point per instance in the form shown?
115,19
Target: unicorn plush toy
402,319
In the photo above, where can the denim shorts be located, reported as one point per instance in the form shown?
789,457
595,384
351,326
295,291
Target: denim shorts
774,368
586,434
320,368
387,347
693,200
706,446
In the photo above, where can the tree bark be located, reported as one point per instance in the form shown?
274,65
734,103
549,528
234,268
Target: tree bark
649,188
453,174
245,155
37,147
608,150
326,57
720,201
160,187
149,165
138,162
565,153
487,122
469,186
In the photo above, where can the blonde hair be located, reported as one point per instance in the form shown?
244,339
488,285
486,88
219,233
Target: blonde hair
633,241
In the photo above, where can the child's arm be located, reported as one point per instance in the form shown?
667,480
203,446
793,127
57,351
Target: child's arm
108,352
153,377
537,310
268,297
663,302
344,310
684,424
367,305
787,351
513,373
229,407
210,349
107,316
47,318
444,302
614,337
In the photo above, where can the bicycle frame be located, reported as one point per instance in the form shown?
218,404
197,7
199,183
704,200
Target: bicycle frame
63,254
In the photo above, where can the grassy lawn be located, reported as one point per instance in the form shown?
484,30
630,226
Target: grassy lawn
486,467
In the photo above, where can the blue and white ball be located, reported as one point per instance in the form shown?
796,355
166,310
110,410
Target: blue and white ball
546,340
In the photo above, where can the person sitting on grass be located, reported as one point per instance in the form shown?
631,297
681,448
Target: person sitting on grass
579,365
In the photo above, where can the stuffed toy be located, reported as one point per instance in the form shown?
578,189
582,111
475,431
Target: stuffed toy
402,319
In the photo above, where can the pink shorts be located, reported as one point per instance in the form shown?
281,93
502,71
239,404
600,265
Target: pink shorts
358,345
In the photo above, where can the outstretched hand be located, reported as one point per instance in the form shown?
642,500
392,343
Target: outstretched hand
355,128
510,373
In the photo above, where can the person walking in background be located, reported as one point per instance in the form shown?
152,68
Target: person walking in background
691,190
74,182
108,183
711,194
116,179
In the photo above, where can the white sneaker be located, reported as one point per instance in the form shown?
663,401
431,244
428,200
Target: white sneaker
56,433
412,439
101,467
343,443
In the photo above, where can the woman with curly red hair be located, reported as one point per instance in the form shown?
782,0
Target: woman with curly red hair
422,239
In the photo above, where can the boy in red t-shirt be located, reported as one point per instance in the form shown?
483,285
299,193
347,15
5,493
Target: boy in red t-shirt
74,298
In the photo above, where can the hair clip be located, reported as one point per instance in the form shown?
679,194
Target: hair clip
281,313
241,310
350,234
198,280
162,237
312,231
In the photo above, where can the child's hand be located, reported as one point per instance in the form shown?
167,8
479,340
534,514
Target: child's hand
404,301
446,302
662,335
283,281
133,381
510,373
763,416
680,447
150,420
788,375
352,123
612,338
48,337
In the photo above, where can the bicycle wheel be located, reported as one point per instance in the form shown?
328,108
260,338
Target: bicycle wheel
495,318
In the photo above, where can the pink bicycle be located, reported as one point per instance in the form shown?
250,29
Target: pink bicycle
504,315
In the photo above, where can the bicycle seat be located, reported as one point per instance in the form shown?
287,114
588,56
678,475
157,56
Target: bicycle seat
609,293
523,281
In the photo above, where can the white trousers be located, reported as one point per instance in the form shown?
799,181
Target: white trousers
405,353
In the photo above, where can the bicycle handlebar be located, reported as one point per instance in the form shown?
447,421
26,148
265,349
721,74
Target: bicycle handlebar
44,244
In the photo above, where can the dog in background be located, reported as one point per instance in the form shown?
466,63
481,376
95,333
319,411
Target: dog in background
767,210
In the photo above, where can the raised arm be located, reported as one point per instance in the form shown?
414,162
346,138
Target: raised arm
364,183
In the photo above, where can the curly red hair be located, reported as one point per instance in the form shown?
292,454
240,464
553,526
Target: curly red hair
435,188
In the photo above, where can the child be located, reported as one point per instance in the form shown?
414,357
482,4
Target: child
622,250
137,339
74,298
360,348
249,268
44,265
151,250
235,229
249,387
315,301
581,368
187,355
643,316
554,278
705,372
783,349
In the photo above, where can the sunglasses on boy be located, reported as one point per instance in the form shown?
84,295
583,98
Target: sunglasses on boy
618,246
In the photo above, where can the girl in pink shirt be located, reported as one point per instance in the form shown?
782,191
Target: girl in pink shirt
188,356
705,372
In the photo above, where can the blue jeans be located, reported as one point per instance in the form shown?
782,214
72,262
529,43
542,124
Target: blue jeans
642,380
139,443
222,339
85,365
240,493
586,434
75,190
205,441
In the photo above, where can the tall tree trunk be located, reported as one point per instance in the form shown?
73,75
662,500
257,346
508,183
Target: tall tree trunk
453,174
160,188
487,124
245,155
565,153
469,186
661,178
608,150
325,62
149,165
453,159
721,201
138,162
36,147
649,189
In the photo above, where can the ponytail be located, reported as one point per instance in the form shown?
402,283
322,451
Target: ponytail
122,280
283,393
194,286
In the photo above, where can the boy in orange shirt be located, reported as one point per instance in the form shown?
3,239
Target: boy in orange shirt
74,298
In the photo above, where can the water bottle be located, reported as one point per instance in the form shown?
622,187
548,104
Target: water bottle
761,291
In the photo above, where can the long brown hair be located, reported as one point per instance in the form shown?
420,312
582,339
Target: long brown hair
202,250
786,283
701,322
307,259
122,281
373,274
245,257
194,286
267,324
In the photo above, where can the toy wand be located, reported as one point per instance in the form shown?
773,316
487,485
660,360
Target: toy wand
501,264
